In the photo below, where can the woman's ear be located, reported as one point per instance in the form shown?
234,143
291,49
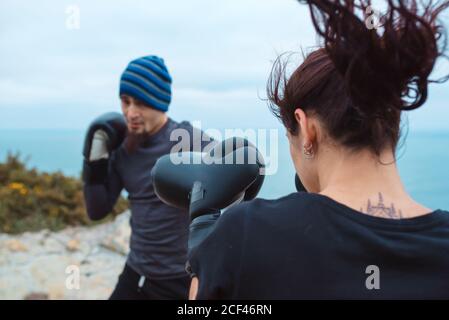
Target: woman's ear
306,127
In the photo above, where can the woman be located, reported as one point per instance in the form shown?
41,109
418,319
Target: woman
356,233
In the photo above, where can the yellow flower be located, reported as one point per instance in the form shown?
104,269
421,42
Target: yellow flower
16,185
19,187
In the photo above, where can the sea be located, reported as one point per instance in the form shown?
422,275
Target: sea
423,161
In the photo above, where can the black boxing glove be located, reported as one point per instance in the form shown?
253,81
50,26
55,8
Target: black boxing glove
200,228
298,184
105,134
230,145
206,183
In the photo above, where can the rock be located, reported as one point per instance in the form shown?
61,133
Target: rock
73,245
117,239
74,263
16,245
51,245
36,296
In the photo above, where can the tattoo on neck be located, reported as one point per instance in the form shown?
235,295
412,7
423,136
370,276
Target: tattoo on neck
380,210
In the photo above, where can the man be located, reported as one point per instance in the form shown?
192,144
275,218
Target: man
155,267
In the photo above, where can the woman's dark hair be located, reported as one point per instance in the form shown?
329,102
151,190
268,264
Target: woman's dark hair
361,79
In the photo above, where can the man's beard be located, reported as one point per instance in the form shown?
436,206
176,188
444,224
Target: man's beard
134,140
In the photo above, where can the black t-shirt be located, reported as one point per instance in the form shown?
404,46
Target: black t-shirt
308,246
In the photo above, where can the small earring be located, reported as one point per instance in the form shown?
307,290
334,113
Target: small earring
308,151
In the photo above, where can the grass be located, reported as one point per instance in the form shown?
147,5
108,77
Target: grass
31,200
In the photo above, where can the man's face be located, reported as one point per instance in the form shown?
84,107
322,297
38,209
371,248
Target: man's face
141,118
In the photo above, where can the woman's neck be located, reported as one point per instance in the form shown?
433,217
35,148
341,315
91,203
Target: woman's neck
368,184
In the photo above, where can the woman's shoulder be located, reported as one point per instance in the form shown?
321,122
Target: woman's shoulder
293,200
302,208
296,204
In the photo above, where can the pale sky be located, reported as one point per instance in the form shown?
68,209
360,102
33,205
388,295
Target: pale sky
219,54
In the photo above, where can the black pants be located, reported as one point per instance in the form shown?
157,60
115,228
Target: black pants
128,288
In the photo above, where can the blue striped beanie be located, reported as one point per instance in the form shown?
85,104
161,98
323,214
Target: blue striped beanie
147,79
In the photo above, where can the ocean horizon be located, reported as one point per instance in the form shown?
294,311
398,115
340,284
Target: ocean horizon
422,161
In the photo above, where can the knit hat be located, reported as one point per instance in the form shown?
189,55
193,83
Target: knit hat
148,80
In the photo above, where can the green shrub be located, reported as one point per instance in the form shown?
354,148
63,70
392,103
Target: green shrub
31,200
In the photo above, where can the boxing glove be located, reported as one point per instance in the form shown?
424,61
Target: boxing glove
230,145
206,183
105,134
298,184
